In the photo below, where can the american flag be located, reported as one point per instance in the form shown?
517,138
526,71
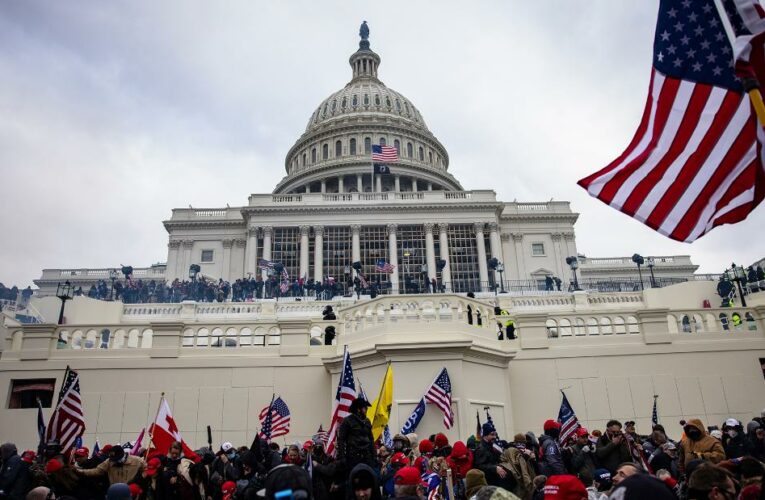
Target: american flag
264,264
440,394
695,161
274,420
655,412
346,393
567,420
67,422
384,154
383,267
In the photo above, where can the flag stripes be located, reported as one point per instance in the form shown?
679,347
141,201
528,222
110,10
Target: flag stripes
67,422
346,393
440,394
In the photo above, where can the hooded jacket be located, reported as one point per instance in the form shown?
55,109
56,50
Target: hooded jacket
460,460
520,467
366,470
706,448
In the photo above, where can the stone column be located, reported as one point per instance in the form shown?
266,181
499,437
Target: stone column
559,259
251,251
430,186
496,246
483,271
323,186
520,261
340,186
430,249
171,270
355,243
505,239
304,230
268,231
184,272
397,183
443,238
318,253
226,263
393,256
570,250
378,183
308,187
236,269
360,183
414,184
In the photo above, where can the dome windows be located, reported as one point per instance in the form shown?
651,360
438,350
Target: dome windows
430,157
334,105
325,152
366,99
367,145
422,154
338,149
409,150
345,103
355,100
382,141
387,101
398,105
353,146
377,100
397,145
304,158
326,108
406,107
313,155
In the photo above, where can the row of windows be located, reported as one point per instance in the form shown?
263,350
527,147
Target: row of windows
330,108
409,151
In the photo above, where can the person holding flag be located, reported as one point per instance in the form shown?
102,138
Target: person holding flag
379,412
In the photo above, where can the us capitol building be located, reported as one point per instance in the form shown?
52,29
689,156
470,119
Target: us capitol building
609,350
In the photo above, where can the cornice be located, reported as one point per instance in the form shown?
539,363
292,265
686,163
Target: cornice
205,224
372,208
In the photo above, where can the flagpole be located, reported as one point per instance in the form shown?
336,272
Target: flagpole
751,85
151,426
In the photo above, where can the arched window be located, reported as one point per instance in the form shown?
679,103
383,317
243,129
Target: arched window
324,113
387,102
355,101
430,157
367,145
334,105
338,149
406,107
382,141
313,155
422,154
409,150
377,100
397,145
325,152
398,105
366,99
353,146
304,158
345,102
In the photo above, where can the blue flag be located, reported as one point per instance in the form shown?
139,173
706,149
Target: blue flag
414,419
40,428
387,440
96,449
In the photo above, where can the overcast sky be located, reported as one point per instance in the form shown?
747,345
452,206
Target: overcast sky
112,113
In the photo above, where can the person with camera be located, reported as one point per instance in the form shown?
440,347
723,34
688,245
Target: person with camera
583,457
176,474
612,448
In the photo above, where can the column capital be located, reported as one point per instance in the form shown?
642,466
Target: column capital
517,237
318,230
253,231
268,231
391,229
355,228
240,242
556,236
305,229
493,227
228,243
505,236
479,226
174,244
187,243
443,227
429,226
568,236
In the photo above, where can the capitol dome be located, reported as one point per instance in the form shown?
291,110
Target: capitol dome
334,153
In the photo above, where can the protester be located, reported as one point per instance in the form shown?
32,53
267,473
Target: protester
612,448
698,445
487,457
14,477
119,468
551,461
355,444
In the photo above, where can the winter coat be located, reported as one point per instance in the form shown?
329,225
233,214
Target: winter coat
14,478
582,463
551,460
738,446
486,458
610,454
706,448
520,467
460,460
355,444
117,473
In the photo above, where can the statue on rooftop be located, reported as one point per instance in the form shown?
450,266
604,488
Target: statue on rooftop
364,31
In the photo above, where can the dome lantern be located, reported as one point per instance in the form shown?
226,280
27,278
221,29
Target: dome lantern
364,62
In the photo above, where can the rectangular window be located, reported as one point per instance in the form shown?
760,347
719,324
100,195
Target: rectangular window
538,249
207,256
463,256
373,242
286,250
25,392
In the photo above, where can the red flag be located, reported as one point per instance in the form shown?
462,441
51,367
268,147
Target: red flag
163,432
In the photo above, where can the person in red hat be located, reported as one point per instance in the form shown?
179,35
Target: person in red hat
441,443
426,448
565,487
408,484
228,489
397,462
583,457
149,477
551,461
135,490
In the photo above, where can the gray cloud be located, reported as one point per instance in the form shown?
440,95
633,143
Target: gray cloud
116,112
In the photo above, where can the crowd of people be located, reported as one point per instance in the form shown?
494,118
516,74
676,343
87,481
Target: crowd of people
613,463
14,295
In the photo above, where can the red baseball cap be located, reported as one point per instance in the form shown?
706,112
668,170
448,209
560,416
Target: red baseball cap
135,490
152,466
228,487
81,452
582,432
307,445
53,465
551,424
399,458
409,476
564,487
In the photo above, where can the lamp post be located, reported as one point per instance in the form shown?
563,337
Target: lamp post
650,263
500,270
424,273
113,274
737,274
407,278
639,260
573,263
440,265
64,292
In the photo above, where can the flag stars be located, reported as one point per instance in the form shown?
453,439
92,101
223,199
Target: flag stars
717,71
660,57
686,4
671,50
712,58
714,22
707,8
693,17
672,13
726,50
664,36
677,62
679,26
697,67
690,54
685,40
698,31
705,45
719,37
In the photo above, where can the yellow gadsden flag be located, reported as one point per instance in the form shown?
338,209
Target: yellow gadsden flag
379,412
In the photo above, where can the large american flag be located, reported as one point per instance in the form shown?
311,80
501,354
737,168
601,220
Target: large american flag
696,159
440,394
567,420
274,420
384,154
67,423
384,267
346,393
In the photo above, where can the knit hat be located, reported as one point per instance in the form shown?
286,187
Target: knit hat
641,486
564,487
288,477
408,476
29,456
475,479
441,440
487,428
519,438
551,424
426,446
53,465
118,491
228,487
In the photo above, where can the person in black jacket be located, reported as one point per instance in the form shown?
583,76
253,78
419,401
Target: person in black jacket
14,476
355,444
612,448
551,460
487,457
735,441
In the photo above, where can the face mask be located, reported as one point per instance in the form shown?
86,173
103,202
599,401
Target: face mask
732,433
231,455
694,434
